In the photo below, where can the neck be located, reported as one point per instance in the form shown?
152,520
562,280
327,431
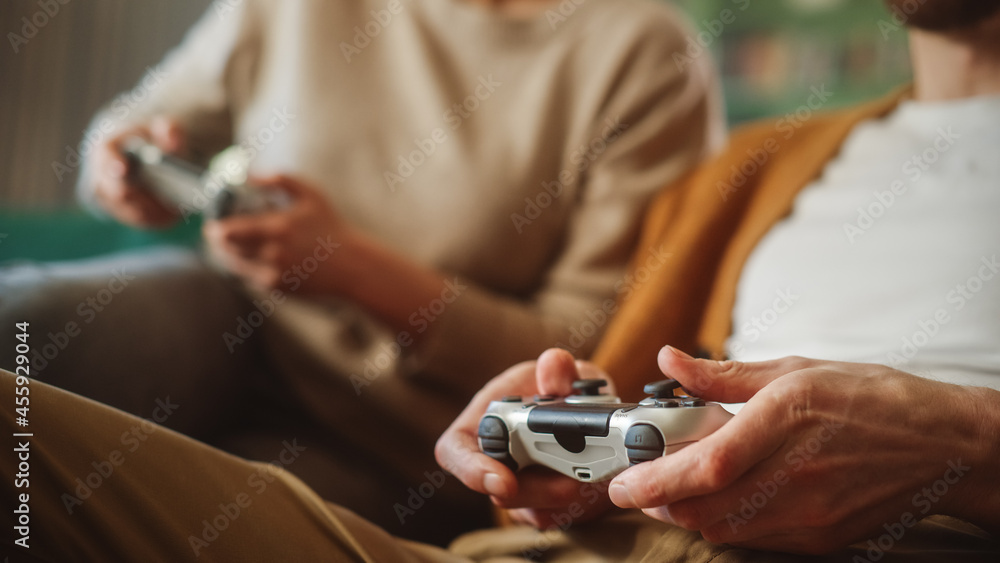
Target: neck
954,65
519,8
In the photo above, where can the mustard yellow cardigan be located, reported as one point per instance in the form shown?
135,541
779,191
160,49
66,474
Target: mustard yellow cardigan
699,232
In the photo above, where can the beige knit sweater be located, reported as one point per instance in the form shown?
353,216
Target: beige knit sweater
514,154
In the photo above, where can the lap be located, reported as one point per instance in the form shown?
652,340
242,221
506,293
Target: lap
632,536
109,486
147,329
132,329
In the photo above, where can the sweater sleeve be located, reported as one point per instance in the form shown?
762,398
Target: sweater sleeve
654,124
193,84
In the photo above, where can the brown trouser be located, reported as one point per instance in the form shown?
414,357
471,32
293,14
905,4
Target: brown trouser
103,485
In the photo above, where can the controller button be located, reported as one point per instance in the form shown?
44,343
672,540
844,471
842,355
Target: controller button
668,403
495,441
661,389
511,399
643,442
589,387
540,398
698,403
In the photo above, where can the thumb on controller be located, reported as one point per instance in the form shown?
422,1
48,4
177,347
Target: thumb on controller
726,381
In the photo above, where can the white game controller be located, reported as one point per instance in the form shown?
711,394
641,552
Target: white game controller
217,192
591,436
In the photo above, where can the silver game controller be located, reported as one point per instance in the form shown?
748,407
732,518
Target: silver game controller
591,436
217,192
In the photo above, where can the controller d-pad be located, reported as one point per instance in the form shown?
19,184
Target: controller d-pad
643,442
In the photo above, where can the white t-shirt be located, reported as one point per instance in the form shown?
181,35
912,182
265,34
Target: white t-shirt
892,255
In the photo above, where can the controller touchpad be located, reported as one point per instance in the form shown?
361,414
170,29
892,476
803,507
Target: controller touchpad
571,424
591,454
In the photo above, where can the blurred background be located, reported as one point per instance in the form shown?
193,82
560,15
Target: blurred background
57,70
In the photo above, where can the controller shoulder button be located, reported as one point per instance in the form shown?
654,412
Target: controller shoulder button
643,442
494,440
511,399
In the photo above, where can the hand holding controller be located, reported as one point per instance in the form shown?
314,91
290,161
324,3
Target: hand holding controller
591,436
220,191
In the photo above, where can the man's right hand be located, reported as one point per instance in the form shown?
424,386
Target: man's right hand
537,496
119,194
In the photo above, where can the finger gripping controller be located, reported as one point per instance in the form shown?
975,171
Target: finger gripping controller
218,192
592,436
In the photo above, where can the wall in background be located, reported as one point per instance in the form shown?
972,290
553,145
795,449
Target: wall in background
772,54
74,61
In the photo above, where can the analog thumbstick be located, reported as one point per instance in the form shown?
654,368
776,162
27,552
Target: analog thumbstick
589,387
663,389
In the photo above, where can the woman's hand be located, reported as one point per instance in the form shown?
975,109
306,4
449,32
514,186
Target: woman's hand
310,250
118,193
292,249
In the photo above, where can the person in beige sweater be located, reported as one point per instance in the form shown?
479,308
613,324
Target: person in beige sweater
467,180
825,453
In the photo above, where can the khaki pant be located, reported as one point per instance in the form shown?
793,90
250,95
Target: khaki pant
107,486
160,338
